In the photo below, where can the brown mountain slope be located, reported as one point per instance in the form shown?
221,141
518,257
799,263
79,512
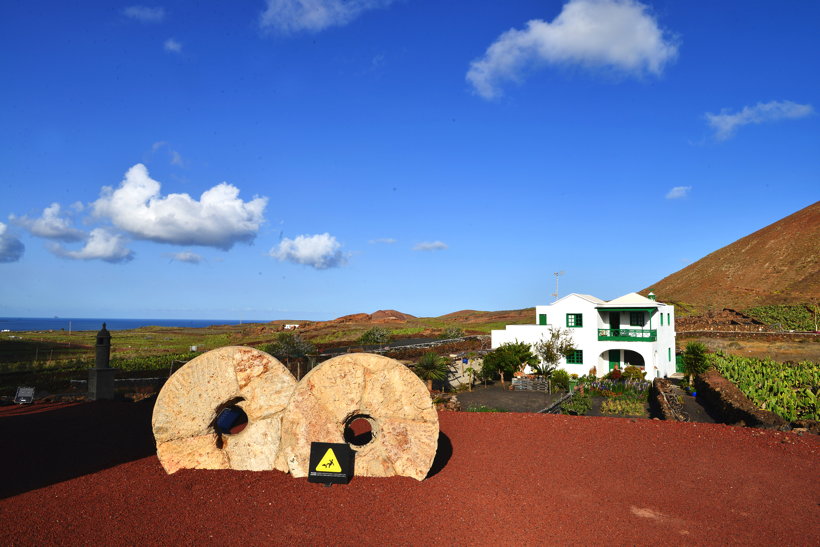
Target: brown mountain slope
381,316
390,315
474,316
779,264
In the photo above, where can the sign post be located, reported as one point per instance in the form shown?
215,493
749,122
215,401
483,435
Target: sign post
331,463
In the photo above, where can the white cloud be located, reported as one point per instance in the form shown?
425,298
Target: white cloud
430,246
218,219
320,251
145,14
619,34
50,225
725,124
101,245
175,157
385,240
314,15
172,46
678,192
187,256
11,248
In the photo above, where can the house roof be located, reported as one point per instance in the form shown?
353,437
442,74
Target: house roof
593,299
632,299
587,297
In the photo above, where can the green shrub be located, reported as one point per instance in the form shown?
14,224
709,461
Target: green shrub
289,346
507,359
375,336
586,379
452,332
633,373
578,405
560,379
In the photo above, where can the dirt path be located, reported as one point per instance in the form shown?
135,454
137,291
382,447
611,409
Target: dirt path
502,479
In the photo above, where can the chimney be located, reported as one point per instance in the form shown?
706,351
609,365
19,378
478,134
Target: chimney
651,295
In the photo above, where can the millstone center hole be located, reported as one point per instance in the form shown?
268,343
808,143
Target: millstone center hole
358,430
230,419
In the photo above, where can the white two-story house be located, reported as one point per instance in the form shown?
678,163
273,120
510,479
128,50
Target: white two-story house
630,330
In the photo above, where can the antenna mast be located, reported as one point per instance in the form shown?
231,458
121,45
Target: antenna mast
556,274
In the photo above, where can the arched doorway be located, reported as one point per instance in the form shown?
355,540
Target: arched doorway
633,358
621,358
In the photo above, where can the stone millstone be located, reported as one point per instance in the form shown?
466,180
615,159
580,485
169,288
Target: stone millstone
403,419
187,405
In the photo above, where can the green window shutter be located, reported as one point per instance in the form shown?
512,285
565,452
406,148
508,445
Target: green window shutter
661,319
576,357
575,320
542,318
669,354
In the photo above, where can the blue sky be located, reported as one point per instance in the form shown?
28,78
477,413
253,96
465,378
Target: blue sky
305,159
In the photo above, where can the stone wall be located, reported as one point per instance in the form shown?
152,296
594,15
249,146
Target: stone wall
759,336
716,392
659,395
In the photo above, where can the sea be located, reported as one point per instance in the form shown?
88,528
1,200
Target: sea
17,324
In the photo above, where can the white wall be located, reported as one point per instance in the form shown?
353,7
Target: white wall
655,354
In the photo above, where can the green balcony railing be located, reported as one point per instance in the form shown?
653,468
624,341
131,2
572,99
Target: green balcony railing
628,335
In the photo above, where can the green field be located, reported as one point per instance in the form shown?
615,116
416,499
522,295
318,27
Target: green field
799,318
51,358
790,390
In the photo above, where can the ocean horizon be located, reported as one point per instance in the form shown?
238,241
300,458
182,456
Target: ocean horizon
18,324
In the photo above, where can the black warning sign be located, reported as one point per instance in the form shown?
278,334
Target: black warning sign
330,463
25,395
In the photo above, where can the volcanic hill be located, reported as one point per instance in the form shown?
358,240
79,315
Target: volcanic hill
381,316
778,264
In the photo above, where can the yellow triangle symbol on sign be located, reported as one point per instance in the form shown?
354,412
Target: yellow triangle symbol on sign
329,463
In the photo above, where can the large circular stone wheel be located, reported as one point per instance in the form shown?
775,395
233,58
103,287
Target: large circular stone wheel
365,392
201,410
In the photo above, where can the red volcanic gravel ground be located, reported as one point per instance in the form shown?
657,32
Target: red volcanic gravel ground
86,474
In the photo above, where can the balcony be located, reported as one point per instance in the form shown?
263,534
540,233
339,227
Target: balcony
628,335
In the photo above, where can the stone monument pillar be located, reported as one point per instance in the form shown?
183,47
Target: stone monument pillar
101,377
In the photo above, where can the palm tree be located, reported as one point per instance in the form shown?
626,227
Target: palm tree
471,371
695,360
431,367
